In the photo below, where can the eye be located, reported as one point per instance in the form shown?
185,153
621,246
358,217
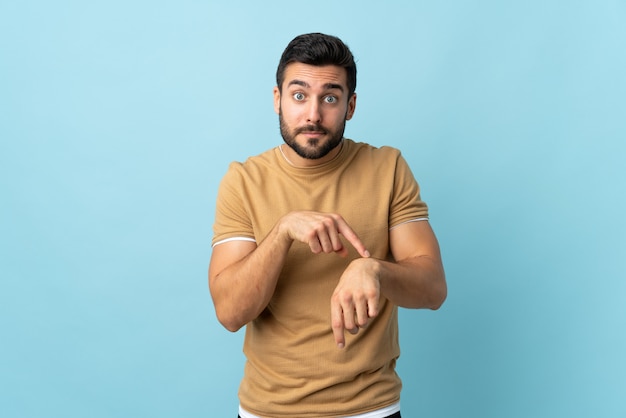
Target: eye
298,96
330,99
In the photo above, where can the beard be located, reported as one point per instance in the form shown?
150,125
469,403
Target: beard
314,148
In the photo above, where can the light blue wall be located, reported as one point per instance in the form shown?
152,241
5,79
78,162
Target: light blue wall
117,120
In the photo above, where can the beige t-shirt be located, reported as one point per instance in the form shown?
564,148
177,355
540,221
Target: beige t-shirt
294,368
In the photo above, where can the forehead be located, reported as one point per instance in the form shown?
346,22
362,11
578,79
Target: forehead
315,76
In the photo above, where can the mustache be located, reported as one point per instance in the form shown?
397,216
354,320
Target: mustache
311,128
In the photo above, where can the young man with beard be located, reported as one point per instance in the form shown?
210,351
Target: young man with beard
316,237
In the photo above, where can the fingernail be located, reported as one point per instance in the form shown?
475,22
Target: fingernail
367,253
340,345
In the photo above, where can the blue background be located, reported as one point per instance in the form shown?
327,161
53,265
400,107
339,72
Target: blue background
118,119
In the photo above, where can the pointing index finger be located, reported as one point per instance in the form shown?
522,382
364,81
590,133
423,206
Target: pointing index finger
345,230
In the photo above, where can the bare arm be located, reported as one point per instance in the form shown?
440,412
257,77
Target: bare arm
415,280
243,276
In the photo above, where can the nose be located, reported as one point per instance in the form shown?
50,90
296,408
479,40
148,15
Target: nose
314,115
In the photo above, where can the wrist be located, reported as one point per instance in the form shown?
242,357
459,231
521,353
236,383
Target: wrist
368,265
282,231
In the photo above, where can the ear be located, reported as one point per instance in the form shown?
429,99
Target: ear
276,100
351,106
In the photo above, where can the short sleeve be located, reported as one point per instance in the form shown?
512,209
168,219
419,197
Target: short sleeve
406,204
231,216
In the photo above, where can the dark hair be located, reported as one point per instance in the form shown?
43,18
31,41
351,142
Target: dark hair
318,49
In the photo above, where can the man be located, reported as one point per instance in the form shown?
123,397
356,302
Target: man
319,236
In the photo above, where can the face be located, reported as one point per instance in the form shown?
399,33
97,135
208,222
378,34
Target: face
313,108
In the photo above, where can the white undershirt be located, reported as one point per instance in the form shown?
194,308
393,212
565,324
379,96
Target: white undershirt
379,413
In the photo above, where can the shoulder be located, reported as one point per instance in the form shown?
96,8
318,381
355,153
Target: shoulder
385,162
363,149
261,160
252,167
375,157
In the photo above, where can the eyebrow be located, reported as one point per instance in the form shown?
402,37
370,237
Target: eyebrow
327,86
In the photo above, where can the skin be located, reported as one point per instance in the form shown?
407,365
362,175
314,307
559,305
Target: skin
314,105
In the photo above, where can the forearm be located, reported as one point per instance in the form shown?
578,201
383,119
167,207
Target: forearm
242,290
417,282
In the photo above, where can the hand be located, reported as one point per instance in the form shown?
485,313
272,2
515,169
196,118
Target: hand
355,299
321,232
